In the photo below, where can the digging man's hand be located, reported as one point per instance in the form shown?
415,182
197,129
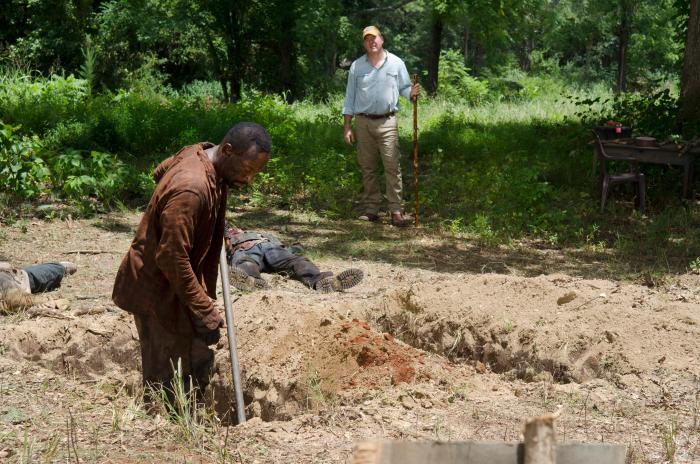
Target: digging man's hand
210,336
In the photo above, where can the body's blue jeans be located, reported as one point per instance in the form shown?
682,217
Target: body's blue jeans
45,277
270,257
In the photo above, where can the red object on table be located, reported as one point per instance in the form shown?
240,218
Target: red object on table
617,124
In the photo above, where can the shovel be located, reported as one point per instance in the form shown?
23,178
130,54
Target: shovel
232,346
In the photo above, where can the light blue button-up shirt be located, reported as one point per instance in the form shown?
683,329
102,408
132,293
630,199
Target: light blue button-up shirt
373,90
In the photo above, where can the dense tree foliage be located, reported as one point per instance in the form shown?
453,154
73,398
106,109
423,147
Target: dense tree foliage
300,47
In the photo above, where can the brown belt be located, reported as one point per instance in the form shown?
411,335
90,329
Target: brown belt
376,116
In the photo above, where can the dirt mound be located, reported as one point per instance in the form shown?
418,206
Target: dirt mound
378,350
330,362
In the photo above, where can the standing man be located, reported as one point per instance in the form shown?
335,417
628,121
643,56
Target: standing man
374,83
167,279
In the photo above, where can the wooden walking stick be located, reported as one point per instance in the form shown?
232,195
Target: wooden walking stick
415,153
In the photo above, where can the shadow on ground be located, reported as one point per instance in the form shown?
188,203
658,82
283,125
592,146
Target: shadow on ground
427,248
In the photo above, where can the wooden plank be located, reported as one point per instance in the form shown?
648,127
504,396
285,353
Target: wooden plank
539,440
586,453
473,452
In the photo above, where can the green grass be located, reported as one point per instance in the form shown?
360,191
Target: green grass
506,172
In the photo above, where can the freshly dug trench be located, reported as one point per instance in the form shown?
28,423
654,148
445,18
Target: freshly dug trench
504,348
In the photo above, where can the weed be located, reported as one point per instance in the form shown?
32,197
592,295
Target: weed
261,449
438,429
123,415
476,414
458,393
454,226
668,440
695,265
27,447
696,402
318,395
508,326
607,363
50,450
191,419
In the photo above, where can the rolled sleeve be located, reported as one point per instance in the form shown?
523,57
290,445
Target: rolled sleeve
349,105
404,82
173,255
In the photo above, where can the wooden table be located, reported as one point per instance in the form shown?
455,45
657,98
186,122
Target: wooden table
668,154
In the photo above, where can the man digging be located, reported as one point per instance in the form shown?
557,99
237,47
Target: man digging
167,279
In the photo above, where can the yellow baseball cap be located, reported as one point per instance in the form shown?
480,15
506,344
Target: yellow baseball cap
374,30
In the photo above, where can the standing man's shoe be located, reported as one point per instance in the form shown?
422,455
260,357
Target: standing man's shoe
398,220
369,217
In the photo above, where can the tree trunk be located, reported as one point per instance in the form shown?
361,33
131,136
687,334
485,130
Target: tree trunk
224,89
465,46
690,81
478,48
285,40
524,56
434,58
623,37
235,83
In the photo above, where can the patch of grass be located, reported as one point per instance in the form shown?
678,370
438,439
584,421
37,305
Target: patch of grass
192,421
508,326
668,436
319,393
458,393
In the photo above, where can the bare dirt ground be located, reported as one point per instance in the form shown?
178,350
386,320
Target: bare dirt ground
443,340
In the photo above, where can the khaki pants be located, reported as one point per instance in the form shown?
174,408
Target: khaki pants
379,138
160,351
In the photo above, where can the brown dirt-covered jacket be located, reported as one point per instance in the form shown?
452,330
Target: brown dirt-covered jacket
171,267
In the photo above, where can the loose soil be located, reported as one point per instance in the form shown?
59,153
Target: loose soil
464,348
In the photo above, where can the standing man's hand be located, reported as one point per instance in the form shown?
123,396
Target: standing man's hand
415,90
347,134
347,129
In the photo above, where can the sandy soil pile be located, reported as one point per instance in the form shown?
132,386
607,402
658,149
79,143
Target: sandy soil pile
407,354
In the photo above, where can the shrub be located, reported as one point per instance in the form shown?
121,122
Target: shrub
23,172
454,81
98,175
651,114
38,103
